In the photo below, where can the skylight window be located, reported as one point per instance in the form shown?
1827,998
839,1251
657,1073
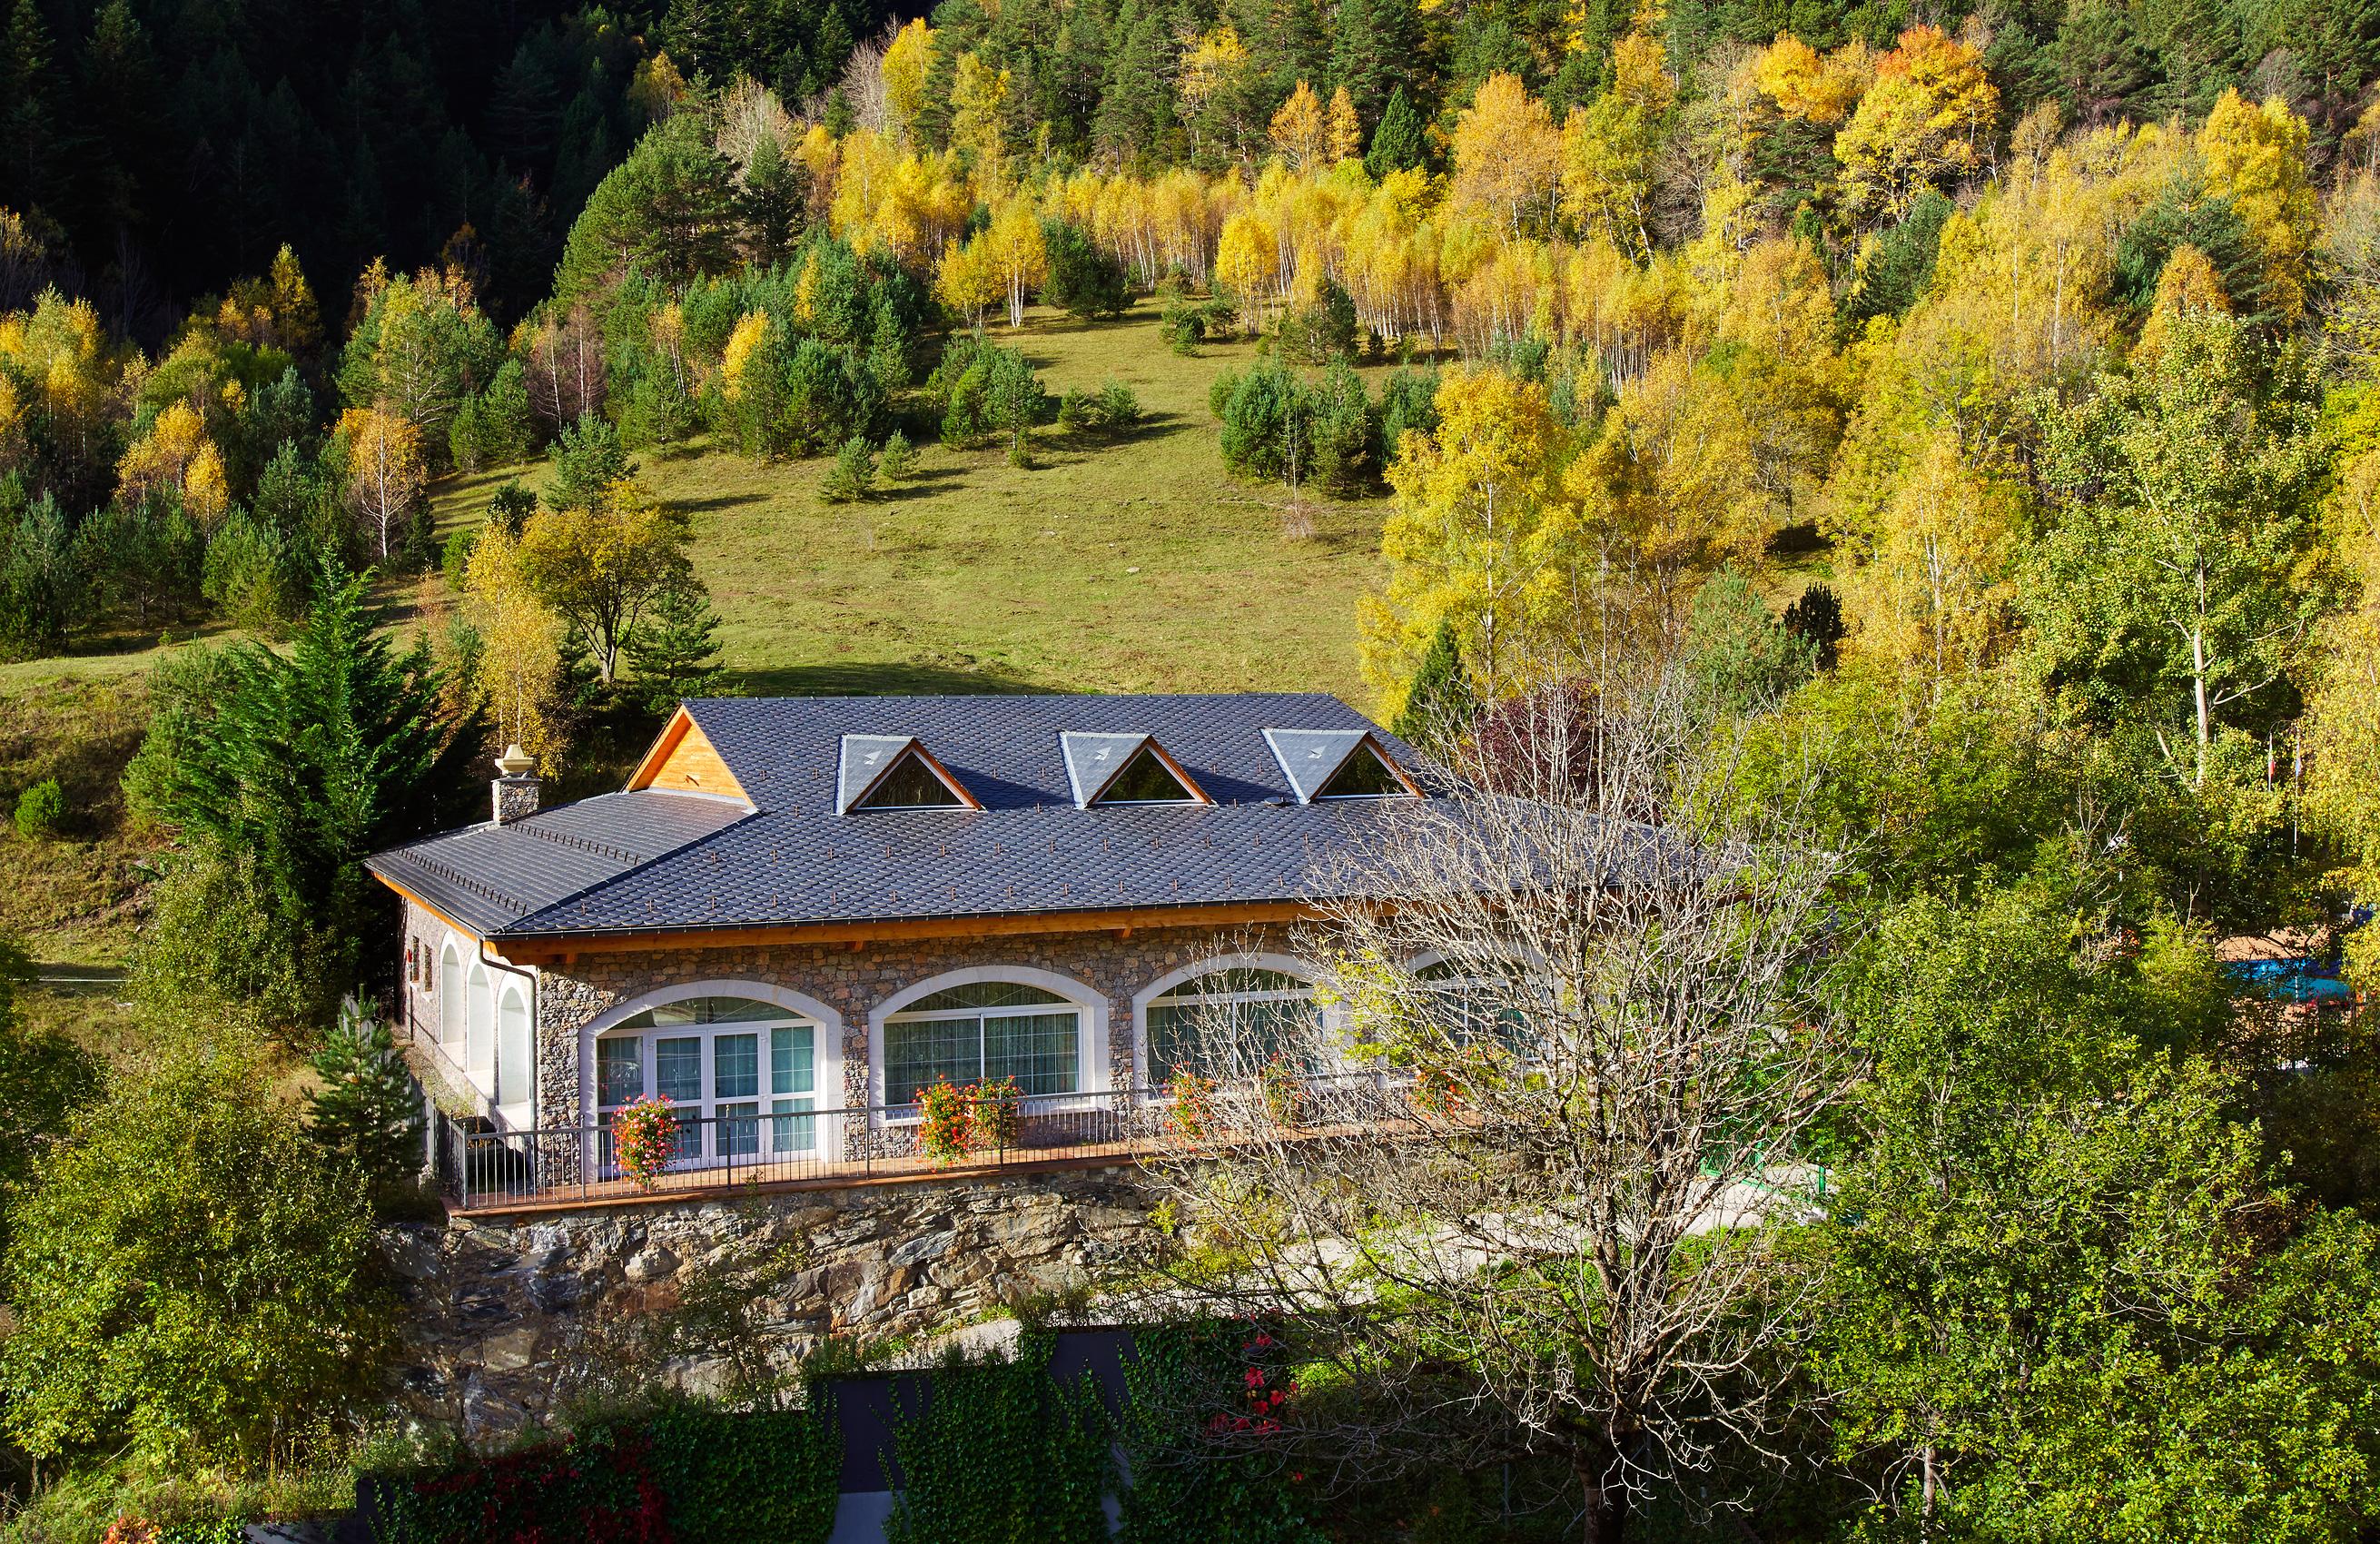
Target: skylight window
1124,769
1363,775
1146,780
893,772
911,784
1336,764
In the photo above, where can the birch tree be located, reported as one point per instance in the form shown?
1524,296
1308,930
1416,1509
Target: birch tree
1541,1227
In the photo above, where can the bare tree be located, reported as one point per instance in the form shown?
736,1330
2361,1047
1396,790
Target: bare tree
1597,1054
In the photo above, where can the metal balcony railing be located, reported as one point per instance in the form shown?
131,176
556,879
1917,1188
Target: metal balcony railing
490,1170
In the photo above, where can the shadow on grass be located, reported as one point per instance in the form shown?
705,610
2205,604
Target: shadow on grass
1148,426
923,483
716,501
881,678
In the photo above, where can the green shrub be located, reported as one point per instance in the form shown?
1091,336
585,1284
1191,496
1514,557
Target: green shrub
1110,409
42,810
898,462
456,564
1321,331
367,1110
1084,281
852,476
695,1472
192,1279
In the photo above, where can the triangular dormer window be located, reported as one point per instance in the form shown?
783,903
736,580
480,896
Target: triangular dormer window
1125,769
893,772
1366,774
1337,764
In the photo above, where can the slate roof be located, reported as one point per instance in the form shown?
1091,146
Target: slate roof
657,860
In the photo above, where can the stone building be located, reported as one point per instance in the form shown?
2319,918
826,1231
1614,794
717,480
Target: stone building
800,912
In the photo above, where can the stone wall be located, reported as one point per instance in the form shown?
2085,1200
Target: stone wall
506,1318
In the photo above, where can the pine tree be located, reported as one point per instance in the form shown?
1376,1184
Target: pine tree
1397,143
29,124
675,650
368,1108
1438,702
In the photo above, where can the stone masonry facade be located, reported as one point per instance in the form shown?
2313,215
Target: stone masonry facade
505,1320
1115,965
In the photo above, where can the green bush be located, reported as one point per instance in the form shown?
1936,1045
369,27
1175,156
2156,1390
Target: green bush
456,564
367,1110
688,1471
1321,331
852,476
192,1279
1110,410
900,459
42,810
1084,281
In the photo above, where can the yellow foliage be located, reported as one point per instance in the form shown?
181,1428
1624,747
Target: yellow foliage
977,94
521,659
386,475
1804,85
909,61
2256,157
1931,593
1213,62
1466,542
751,330
1299,135
1508,156
162,459
1926,119
1343,130
2187,284
1248,260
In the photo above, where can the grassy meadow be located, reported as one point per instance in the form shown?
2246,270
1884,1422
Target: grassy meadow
1136,564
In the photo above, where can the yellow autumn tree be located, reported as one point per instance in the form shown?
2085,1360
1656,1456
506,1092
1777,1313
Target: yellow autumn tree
1465,541
1931,595
736,360
386,476
1508,157
1247,261
177,457
1342,130
2188,284
1608,146
1013,253
1800,84
909,61
979,93
2256,157
1301,135
965,281
519,665
1926,121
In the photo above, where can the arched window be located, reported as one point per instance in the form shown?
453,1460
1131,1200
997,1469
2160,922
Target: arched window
1476,1001
988,1031
480,1040
450,999
1229,1023
513,1087
720,1058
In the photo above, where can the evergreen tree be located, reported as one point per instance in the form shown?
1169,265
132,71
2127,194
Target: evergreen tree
675,650
30,130
773,203
588,458
1084,279
1396,143
1375,49
1439,700
1136,118
369,1108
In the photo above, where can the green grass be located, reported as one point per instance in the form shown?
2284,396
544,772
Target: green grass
1132,565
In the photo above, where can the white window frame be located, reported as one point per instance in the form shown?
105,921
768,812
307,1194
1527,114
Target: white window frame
797,1010
1093,1075
516,1032
479,1034
451,1011
1287,964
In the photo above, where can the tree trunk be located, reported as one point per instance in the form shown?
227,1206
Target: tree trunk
1604,1504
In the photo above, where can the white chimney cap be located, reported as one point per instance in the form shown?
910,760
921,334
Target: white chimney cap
515,761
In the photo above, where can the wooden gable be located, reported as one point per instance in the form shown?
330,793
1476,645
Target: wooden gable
684,761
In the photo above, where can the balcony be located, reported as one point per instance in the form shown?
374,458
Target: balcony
561,1168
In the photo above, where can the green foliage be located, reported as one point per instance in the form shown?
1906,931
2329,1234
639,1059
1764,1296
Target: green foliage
1185,323
190,1276
685,1471
281,773
853,476
455,562
40,583
588,458
256,576
510,507
1745,659
42,810
1111,409
1397,143
1084,281
496,427
1346,432
675,650
1408,405
1321,331
1816,617
2037,1191
1003,1451
899,461
1896,272
1268,423
1439,703
367,1112
44,1078
1194,1474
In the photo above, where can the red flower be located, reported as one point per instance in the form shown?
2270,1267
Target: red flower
1254,1377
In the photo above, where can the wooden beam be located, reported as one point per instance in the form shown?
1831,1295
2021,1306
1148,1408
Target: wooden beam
552,949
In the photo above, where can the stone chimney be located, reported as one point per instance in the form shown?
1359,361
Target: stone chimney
516,785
